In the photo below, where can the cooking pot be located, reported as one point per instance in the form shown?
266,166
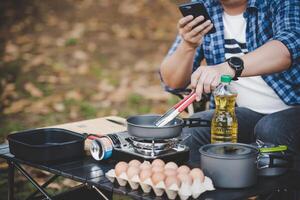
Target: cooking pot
143,126
230,165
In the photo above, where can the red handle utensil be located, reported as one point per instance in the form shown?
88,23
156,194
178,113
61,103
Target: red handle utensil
176,110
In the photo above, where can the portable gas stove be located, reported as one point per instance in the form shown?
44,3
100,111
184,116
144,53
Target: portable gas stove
142,149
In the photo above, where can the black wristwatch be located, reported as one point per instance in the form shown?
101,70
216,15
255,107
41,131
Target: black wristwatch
237,65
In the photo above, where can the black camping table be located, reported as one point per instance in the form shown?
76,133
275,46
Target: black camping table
91,174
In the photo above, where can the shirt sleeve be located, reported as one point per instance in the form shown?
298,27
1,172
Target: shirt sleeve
286,26
197,60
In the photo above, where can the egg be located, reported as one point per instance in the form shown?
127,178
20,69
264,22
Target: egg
145,165
197,173
158,177
157,169
120,168
158,162
170,172
170,180
132,171
183,169
134,163
145,174
171,165
185,178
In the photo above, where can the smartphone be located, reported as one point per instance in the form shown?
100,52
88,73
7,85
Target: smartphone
196,9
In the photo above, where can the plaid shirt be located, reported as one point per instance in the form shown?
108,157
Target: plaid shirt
266,20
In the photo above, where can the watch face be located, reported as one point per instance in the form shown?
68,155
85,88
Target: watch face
236,61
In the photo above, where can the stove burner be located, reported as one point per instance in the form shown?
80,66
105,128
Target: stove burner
154,147
153,144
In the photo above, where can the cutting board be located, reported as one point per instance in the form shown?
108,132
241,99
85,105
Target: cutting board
99,126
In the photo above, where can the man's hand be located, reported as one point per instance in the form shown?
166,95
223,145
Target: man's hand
206,78
190,34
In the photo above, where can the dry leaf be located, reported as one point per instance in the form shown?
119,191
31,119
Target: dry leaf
82,69
17,106
105,86
77,31
142,66
76,95
39,107
11,49
74,112
119,95
59,107
34,62
80,55
9,90
129,7
154,93
55,186
47,79
119,31
45,40
44,105
33,90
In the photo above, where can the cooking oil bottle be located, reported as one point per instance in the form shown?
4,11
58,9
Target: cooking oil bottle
224,126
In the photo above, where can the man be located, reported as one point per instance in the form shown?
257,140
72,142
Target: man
257,42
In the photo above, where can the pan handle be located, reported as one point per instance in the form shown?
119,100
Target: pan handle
196,122
90,136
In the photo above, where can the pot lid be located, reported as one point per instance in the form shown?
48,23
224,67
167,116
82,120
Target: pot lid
229,150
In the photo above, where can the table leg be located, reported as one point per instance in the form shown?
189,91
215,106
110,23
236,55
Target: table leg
34,183
49,181
11,180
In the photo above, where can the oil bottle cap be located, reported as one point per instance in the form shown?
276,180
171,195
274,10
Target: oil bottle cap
226,79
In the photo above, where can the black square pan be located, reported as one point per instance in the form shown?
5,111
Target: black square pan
46,145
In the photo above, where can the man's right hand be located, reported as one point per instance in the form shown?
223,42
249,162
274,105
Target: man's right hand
193,36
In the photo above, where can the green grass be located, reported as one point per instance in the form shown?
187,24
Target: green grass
134,99
86,109
71,42
173,100
9,126
97,71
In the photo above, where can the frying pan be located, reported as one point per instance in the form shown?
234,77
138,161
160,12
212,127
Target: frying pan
143,126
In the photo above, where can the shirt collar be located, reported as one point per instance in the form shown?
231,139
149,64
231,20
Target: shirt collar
253,4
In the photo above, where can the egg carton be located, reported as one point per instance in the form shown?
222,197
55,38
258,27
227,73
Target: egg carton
184,191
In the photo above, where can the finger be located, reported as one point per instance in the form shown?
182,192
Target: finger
207,29
199,88
195,77
183,21
199,29
207,83
193,23
215,82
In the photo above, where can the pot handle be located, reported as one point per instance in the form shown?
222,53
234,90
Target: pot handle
196,122
281,157
272,163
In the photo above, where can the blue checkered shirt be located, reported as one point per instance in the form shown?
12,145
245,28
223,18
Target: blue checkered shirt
266,20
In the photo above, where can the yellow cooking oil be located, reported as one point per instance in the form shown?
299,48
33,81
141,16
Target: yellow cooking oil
224,126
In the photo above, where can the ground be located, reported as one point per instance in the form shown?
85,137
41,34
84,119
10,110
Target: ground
69,60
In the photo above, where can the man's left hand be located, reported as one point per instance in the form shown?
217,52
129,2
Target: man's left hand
206,78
